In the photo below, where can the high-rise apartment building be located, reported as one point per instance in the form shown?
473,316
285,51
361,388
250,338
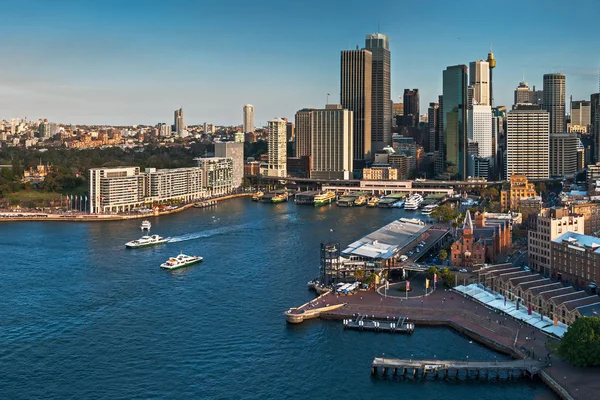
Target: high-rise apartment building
235,151
528,143
522,93
356,85
179,123
555,94
480,129
248,118
381,117
479,79
411,104
164,130
544,227
455,120
563,154
433,122
331,143
217,175
277,145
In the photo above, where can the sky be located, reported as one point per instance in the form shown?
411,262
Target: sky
135,61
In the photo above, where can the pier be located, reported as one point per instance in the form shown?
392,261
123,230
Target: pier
395,325
452,368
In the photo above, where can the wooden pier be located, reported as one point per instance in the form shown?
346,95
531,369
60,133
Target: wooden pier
395,325
451,368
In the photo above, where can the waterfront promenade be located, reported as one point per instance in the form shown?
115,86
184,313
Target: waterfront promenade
23,215
500,332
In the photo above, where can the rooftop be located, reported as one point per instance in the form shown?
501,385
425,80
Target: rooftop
580,240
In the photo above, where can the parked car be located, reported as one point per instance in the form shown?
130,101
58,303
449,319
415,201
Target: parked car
462,270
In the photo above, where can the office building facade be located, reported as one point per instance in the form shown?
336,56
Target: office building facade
480,129
455,120
563,154
381,113
522,94
555,93
331,143
528,143
412,105
479,79
356,86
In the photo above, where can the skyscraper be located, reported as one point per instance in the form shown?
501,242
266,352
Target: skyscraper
595,121
356,85
563,154
411,104
479,78
522,94
555,94
331,143
480,129
381,117
277,146
179,124
248,118
455,120
581,113
433,115
528,143
303,132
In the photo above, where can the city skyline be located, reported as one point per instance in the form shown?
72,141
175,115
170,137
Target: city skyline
85,64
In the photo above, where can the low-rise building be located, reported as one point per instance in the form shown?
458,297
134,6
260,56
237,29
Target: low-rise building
591,216
576,259
380,173
520,188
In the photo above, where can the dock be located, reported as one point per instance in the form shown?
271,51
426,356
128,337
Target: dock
307,197
452,368
395,325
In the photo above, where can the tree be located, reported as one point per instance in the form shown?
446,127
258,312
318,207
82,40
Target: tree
580,345
443,213
430,272
443,255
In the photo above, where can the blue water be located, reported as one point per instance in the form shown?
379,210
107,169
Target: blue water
83,317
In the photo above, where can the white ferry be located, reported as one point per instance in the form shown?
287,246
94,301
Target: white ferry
428,209
413,202
146,225
180,261
146,241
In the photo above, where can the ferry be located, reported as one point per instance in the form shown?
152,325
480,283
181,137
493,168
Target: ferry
373,202
413,202
278,198
324,198
146,225
145,241
428,209
361,201
180,261
257,196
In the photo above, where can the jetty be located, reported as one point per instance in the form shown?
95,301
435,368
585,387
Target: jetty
395,325
452,368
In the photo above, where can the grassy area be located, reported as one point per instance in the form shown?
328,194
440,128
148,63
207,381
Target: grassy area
32,195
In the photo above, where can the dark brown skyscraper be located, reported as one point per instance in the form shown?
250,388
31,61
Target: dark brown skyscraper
356,84
411,104
381,118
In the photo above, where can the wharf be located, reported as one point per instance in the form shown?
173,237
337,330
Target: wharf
448,368
307,197
395,325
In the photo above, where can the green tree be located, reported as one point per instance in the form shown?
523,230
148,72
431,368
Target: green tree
430,272
443,213
443,255
580,345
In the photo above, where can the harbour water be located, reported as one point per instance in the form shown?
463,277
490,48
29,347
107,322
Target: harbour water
83,317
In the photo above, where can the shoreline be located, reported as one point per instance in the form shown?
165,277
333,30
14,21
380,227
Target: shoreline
460,315
107,217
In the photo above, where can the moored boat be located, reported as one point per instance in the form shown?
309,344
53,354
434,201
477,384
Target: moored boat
428,209
361,201
278,198
413,202
180,261
146,241
373,202
257,196
324,198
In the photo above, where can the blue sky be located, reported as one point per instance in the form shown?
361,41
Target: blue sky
134,62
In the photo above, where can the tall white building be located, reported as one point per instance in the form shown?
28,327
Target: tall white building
277,143
236,152
480,129
528,143
248,118
331,143
179,123
479,78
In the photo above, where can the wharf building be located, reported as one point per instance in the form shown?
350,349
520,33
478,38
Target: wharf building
121,189
540,294
356,95
381,113
277,148
481,242
544,227
528,143
454,115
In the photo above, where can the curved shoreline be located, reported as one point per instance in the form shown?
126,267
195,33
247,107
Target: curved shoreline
108,217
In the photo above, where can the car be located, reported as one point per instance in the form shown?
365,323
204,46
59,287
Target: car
462,270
